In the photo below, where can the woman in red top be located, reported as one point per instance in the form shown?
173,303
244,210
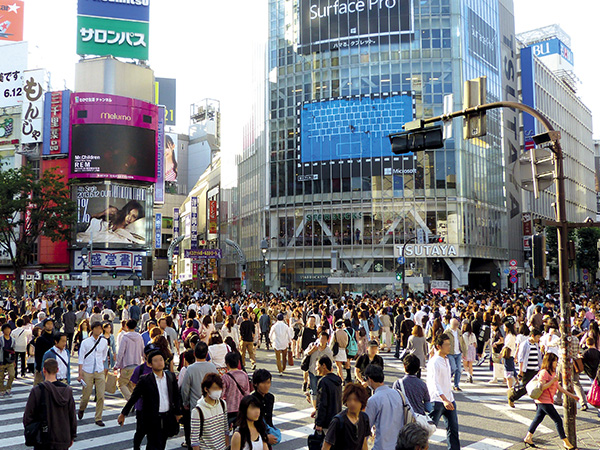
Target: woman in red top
545,404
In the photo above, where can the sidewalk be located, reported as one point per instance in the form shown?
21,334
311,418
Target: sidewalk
588,438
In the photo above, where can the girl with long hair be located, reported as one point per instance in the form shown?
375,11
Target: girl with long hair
250,432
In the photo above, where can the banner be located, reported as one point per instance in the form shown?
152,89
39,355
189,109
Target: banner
170,158
212,217
175,229
107,259
32,115
113,215
113,137
111,37
158,231
194,222
56,123
11,20
205,253
159,191
13,62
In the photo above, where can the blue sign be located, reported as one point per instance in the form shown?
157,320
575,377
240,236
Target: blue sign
552,47
56,123
401,260
194,222
138,10
528,94
176,229
506,271
158,231
351,127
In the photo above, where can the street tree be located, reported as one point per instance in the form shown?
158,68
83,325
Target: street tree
31,207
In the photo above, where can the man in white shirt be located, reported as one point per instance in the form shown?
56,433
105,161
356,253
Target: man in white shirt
92,353
439,384
281,337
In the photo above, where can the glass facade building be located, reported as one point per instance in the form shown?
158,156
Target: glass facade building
344,74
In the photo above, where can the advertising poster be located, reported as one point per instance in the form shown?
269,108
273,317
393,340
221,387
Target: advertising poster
194,222
158,231
32,115
332,25
212,217
56,123
11,20
13,62
109,37
159,191
113,215
10,130
113,137
171,155
175,229
166,94
138,10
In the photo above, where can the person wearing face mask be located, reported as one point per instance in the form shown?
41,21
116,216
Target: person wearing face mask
161,402
209,424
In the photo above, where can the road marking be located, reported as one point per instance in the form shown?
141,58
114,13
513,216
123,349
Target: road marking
508,411
489,444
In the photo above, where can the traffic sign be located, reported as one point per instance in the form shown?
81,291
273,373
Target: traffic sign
513,280
586,277
401,260
512,262
513,273
506,271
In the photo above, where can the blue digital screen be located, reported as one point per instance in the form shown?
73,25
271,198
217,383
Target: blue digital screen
352,128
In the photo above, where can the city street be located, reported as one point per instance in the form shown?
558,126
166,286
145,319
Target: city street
486,421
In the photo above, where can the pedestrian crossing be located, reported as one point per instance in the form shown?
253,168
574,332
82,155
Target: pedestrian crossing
294,423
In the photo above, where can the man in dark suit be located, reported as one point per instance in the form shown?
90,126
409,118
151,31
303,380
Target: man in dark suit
161,408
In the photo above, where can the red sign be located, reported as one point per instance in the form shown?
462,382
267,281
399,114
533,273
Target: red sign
55,121
212,217
6,277
11,20
512,262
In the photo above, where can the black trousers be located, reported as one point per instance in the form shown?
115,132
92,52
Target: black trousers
187,426
70,341
265,335
521,389
140,432
157,438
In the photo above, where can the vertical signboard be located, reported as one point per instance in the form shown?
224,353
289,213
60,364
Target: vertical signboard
11,20
13,62
158,230
528,94
56,123
194,222
159,191
32,115
212,217
176,229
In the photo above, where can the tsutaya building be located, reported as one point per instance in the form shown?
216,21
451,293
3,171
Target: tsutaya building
341,206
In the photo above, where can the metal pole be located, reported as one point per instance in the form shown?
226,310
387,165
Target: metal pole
404,287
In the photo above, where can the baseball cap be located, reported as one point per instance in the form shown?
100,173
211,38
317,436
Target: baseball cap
373,343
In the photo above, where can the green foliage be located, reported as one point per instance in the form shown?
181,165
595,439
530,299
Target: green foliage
31,207
587,252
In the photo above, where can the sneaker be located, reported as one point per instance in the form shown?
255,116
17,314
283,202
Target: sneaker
457,389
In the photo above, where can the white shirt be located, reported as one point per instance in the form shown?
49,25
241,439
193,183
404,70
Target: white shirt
163,393
439,381
95,361
456,349
62,368
281,335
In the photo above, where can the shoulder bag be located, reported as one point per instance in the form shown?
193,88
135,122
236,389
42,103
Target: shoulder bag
36,433
422,420
534,388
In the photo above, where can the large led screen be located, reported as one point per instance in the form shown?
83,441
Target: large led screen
113,215
113,151
351,128
335,24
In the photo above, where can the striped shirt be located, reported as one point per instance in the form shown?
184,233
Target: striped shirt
214,426
533,362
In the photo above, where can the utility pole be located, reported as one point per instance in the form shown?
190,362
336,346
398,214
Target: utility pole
416,138
404,286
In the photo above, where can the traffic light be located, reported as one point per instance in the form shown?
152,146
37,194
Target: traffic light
399,276
429,138
539,255
475,125
114,273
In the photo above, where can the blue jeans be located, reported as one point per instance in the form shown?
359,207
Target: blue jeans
451,419
456,367
547,409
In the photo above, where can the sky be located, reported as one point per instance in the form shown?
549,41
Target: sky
208,45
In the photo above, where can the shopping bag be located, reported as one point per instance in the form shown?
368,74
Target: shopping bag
111,383
290,356
593,396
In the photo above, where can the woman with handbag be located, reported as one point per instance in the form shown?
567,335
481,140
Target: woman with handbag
548,379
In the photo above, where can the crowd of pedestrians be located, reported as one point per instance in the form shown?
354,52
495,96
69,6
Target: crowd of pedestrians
190,361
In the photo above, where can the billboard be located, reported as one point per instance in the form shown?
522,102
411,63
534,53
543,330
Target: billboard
138,10
194,222
553,47
113,215
171,155
32,115
10,130
528,94
166,94
13,62
176,229
159,191
483,39
335,24
113,137
351,128
56,123
112,37
158,230
11,20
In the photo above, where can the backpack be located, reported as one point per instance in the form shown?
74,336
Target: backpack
352,348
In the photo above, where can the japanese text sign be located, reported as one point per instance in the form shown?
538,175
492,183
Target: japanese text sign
32,115
111,37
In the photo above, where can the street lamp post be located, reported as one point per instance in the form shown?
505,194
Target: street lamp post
264,247
404,287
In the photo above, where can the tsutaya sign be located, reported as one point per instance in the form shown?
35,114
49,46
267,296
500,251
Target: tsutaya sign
426,250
